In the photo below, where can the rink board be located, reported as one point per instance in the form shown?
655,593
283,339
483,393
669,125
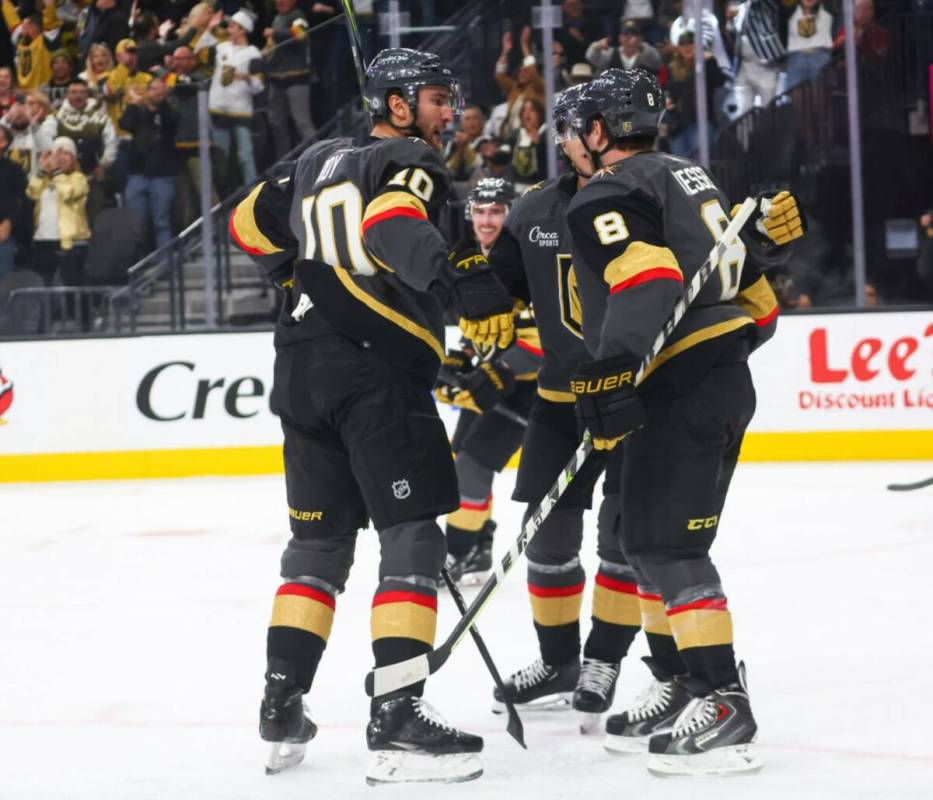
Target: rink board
830,387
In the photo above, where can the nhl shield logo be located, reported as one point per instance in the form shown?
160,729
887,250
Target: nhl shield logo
401,489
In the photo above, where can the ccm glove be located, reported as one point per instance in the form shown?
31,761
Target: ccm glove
608,404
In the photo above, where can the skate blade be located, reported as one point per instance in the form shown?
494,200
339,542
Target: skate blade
283,755
626,745
549,704
399,766
739,759
590,722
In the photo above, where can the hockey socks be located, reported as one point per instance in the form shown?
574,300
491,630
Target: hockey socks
616,614
702,628
466,523
403,621
556,594
302,616
658,632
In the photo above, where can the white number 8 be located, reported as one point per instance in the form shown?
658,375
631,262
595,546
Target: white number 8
610,227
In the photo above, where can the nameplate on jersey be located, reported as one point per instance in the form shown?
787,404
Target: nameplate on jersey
693,180
330,166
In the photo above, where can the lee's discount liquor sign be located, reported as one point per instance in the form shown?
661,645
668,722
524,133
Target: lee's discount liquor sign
858,372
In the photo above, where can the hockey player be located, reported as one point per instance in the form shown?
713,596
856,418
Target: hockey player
533,257
641,228
485,439
348,232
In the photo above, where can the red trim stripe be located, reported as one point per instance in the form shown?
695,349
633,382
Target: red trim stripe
477,506
713,604
555,591
537,351
239,242
307,591
428,601
658,273
644,596
769,318
616,586
400,211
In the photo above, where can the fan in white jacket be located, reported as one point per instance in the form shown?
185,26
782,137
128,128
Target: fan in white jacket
233,87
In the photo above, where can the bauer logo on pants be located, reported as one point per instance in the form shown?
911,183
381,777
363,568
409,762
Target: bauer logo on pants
6,395
401,489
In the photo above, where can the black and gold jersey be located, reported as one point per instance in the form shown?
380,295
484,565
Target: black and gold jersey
533,258
641,230
351,227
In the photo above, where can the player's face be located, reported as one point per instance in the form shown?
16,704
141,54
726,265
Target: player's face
487,222
435,113
575,151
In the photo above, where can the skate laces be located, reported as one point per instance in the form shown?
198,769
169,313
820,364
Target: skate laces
699,713
532,675
429,714
597,676
652,701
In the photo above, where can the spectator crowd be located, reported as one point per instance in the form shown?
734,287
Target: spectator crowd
99,98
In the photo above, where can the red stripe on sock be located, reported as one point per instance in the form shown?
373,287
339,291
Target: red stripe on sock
476,506
307,591
658,273
645,596
713,604
616,586
428,601
555,591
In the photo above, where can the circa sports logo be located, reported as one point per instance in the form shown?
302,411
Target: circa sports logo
6,395
543,238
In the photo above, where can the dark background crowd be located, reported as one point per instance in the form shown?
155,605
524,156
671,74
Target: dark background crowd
99,110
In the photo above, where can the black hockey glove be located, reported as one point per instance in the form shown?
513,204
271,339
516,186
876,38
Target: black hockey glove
481,300
607,401
489,384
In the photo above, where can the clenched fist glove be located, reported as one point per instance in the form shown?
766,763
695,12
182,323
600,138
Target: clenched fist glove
781,221
481,389
483,303
608,404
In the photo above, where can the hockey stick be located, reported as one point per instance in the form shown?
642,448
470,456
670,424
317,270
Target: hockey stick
909,487
383,680
515,728
356,47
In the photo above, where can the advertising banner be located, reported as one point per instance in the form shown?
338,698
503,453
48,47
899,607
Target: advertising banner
841,386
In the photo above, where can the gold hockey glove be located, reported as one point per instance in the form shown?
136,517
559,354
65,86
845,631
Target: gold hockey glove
781,220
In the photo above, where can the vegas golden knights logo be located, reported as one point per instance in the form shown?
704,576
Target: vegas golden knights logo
571,310
806,27
227,75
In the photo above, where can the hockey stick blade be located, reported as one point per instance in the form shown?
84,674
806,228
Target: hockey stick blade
438,657
514,727
909,487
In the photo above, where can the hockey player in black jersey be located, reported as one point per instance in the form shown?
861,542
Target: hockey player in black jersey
485,439
533,258
348,233
641,228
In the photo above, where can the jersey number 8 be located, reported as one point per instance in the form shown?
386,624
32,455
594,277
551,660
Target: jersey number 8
733,259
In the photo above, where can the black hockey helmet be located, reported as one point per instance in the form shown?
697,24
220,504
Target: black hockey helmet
565,112
630,101
492,191
400,69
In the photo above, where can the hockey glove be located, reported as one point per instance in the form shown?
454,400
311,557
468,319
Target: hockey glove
608,404
455,396
483,303
781,221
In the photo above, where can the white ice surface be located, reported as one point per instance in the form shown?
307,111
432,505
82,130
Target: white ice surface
132,636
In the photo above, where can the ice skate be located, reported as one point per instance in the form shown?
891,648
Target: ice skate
713,735
284,720
412,743
473,568
655,712
595,690
540,687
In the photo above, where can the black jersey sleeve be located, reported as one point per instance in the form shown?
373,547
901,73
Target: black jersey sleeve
620,238
506,261
259,226
399,223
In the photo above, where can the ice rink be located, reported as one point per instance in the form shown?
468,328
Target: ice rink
133,632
